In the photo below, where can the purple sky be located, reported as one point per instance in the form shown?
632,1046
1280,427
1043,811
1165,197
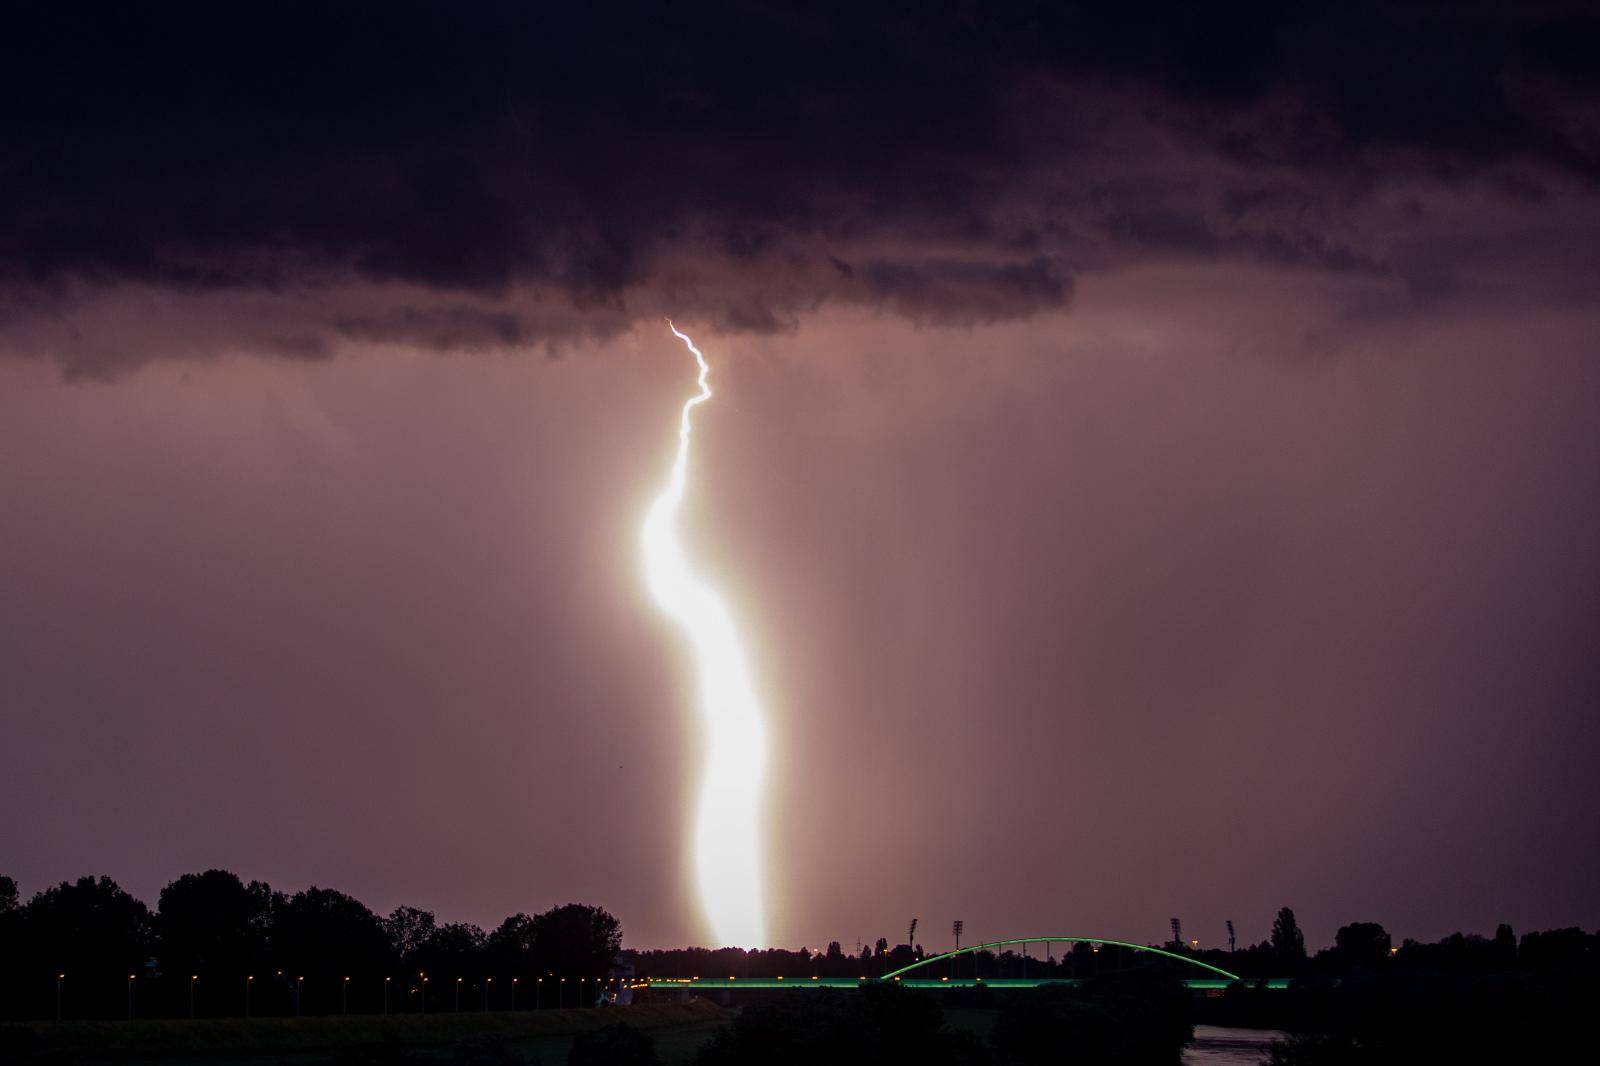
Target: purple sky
1148,488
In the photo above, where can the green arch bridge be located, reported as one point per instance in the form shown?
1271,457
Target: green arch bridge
1207,977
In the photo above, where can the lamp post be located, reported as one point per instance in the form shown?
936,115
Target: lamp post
130,997
538,990
513,995
344,997
299,987
458,995
386,981
192,979
561,994
487,981
248,981
422,988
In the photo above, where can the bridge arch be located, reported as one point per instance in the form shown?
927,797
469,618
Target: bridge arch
931,959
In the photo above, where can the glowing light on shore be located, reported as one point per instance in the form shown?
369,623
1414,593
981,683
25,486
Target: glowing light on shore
727,844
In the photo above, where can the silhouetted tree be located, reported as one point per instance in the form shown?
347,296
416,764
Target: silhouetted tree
903,955
213,923
576,940
89,929
510,948
10,916
455,949
328,934
1505,945
1361,944
1561,951
89,926
408,928
1287,940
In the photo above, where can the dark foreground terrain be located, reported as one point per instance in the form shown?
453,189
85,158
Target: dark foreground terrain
495,1039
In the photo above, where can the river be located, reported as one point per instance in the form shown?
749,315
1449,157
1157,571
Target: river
1216,1046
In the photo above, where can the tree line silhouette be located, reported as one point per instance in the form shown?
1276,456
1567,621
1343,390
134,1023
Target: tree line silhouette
1357,946
217,946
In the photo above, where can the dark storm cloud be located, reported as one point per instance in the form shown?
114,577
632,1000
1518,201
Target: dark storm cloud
743,163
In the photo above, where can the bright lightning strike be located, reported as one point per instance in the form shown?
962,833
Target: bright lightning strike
727,848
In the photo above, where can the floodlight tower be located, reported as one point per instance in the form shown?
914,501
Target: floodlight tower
1177,932
1230,936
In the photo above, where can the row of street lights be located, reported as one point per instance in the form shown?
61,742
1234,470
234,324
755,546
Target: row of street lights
344,992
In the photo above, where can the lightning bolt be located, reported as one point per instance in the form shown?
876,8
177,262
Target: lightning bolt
727,846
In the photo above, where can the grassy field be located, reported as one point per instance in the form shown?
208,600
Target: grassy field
679,1028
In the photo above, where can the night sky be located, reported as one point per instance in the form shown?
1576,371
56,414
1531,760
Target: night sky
1155,462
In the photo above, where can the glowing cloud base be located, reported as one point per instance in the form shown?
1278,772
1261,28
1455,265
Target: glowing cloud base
727,844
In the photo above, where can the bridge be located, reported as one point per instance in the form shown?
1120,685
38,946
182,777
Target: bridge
1209,978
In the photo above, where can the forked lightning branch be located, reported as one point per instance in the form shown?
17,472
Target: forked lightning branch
727,844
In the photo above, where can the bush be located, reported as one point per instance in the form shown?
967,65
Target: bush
1138,1018
864,1027
615,1045
484,1051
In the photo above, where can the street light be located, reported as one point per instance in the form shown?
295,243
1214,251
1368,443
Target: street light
299,987
59,978
458,995
192,979
561,994
538,989
130,997
422,985
344,997
248,981
386,981
513,994
487,981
